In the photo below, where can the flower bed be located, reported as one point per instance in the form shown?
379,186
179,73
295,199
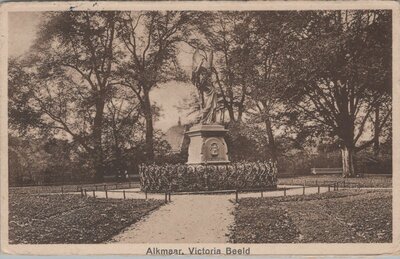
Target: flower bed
179,178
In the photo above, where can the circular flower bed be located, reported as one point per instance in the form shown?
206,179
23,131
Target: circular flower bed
233,176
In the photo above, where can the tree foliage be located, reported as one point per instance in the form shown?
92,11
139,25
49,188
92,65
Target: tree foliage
150,40
339,72
287,81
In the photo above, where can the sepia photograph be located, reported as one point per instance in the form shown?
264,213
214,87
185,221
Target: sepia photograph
232,126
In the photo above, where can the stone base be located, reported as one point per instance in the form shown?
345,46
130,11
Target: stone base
207,145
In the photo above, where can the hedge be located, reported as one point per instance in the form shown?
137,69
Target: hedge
180,178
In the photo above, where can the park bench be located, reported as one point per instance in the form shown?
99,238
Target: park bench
326,171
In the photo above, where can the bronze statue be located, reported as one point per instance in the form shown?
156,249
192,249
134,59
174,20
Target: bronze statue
202,79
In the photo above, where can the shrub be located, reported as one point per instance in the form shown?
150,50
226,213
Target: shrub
239,175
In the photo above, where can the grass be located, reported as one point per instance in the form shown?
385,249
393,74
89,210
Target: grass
347,216
368,181
70,219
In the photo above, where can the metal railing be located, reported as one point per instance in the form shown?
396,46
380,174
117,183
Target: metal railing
84,193
330,185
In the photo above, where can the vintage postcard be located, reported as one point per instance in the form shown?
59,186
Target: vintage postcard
199,128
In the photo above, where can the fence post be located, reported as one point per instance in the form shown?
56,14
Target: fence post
237,196
106,194
329,188
95,187
304,190
318,189
85,193
124,194
166,198
145,194
169,196
284,192
94,194
81,192
262,194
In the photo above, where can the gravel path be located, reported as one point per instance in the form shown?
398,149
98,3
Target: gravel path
187,219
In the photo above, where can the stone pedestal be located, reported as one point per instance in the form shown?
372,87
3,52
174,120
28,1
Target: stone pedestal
207,145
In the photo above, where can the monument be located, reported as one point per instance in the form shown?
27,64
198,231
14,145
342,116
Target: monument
208,167
207,138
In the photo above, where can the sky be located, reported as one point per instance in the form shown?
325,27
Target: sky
23,27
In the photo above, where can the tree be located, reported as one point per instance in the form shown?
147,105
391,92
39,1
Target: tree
227,34
39,160
27,161
123,127
70,75
269,34
339,68
21,116
249,72
150,39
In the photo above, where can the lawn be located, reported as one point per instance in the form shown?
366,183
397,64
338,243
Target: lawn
367,181
346,216
70,219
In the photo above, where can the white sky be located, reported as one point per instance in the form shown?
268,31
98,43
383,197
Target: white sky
22,30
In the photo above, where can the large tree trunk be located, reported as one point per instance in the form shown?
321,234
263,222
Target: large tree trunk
97,146
376,130
348,161
271,139
149,126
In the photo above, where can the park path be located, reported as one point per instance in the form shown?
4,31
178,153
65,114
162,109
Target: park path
192,218
187,219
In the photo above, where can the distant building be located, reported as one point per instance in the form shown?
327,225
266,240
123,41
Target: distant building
175,136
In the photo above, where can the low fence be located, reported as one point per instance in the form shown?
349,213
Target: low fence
329,187
73,188
343,183
123,194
